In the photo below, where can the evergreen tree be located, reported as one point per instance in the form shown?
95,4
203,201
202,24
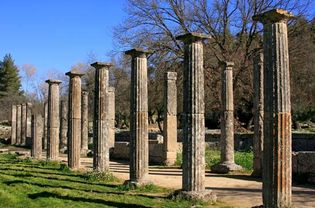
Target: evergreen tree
10,82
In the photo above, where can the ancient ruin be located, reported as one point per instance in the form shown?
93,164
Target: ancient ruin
63,139
227,163
277,152
138,149
74,119
37,135
258,83
13,124
84,122
101,125
53,120
194,122
170,118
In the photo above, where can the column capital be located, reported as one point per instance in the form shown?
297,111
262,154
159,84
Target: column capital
273,16
138,52
72,74
192,37
99,65
53,81
227,64
170,75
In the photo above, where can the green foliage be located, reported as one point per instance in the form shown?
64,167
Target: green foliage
36,184
244,159
100,177
10,82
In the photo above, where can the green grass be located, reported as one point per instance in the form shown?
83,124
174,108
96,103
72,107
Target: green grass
245,159
31,183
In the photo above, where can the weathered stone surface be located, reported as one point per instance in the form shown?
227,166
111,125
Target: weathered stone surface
84,122
193,116
37,135
258,83
277,167
227,163
53,120
18,124
63,126
23,124
170,118
13,124
28,126
111,116
45,137
74,120
101,125
139,150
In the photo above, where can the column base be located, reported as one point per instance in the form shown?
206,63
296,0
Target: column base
206,195
170,158
225,167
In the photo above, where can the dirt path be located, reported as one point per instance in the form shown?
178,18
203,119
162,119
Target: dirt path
235,190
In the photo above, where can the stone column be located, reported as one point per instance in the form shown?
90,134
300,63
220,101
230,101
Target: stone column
111,116
37,135
18,123
53,120
170,118
74,120
45,126
85,123
23,124
193,166
258,83
101,125
63,126
227,163
277,150
139,142
13,124
28,124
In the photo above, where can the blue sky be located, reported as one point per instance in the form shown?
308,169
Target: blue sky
56,34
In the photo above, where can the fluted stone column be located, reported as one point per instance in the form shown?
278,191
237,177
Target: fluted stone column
53,124
37,135
74,120
84,122
193,119
227,163
45,126
28,124
23,124
63,126
170,118
139,143
258,83
13,124
18,123
101,125
277,150
111,116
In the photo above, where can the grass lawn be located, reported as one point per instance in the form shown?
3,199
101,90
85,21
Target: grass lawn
244,159
31,183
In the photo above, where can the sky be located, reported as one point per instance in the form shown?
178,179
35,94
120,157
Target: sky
54,35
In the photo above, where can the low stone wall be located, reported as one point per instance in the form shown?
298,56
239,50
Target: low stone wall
121,151
303,166
242,141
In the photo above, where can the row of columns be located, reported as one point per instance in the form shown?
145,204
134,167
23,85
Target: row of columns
276,166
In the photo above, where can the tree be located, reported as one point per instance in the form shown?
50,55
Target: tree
154,24
10,83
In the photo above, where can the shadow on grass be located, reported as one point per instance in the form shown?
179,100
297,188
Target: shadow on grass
28,174
46,194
